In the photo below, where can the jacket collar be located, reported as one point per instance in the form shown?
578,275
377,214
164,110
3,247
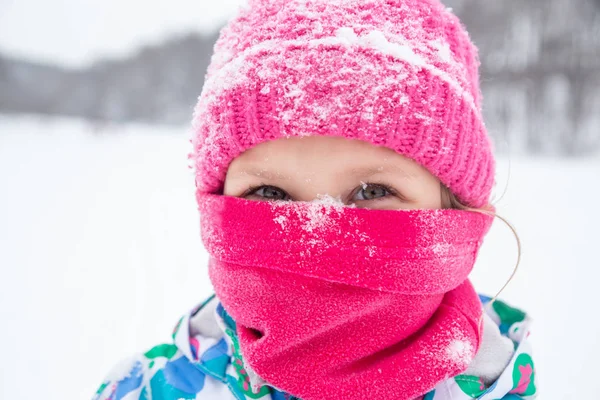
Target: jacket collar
210,342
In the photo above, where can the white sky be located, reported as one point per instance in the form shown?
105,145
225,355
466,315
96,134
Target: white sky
76,32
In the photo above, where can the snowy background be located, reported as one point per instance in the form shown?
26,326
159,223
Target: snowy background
99,243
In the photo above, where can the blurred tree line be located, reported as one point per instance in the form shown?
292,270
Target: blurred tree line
158,84
540,77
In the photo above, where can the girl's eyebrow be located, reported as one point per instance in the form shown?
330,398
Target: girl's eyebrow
362,172
367,172
261,173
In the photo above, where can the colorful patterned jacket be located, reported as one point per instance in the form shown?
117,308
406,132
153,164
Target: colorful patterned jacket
204,362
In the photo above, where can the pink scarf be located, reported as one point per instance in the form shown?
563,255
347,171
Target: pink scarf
336,302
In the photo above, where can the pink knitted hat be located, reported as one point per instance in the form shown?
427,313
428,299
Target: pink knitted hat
396,73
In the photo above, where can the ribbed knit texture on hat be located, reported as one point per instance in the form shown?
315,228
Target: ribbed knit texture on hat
396,73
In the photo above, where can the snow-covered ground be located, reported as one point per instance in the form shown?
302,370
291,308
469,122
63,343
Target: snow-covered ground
100,254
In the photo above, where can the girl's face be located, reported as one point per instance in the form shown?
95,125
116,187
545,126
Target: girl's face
355,172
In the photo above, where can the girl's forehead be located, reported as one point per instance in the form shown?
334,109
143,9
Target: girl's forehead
289,157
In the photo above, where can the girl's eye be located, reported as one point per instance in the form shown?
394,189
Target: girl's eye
269,193
370,191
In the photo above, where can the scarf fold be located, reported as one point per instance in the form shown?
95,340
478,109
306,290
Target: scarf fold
300,278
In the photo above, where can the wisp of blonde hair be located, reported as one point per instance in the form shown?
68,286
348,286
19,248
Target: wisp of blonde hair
449,200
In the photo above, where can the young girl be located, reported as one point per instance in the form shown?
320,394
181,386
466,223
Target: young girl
343,176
